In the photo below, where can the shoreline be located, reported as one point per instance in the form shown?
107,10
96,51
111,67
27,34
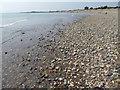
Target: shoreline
99,11
83,56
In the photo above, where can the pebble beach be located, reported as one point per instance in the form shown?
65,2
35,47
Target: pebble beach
83,54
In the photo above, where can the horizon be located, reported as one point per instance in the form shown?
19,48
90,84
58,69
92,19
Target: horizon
8,7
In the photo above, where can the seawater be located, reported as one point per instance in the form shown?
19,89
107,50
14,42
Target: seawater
15,23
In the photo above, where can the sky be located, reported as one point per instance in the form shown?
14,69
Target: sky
59,0
38,5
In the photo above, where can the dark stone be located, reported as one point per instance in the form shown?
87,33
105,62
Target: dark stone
109,74
5,52
38,82
31,68
23,65
105,12
35,68
55,84
42,79
23,32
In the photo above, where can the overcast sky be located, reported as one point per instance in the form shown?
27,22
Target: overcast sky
59,0
29,5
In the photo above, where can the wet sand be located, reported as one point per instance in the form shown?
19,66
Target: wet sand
80,55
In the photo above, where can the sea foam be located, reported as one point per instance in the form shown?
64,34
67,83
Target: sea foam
10,24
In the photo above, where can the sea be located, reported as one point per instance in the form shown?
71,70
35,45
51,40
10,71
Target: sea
15,23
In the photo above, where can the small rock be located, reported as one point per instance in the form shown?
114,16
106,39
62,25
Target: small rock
5,52
93,77
108,59
105,12
68,70
46,76
60,79
74,68
52,61
23,32
75,76
24,86
49,79
118,80
55,84
57,68
65,82
52,65
82,64
42,79
31,68
71,85
28,59
109,74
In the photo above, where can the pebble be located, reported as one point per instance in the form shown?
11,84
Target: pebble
74,69
46,76
60,79
23,32
71,85
65,82
28,59
5,52
57,68
53,66
55,84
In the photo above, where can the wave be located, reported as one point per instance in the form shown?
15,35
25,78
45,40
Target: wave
10,24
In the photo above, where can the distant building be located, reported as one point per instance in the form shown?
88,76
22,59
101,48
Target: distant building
86,8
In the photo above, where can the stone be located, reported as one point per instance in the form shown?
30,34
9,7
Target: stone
23,32
46,76
109,74
53,61
93,77
60,79
28,59
53,66
57,68
55,84
108,59
74,68
49,79
117,80
42,79
68,70
71,85
75,76
82,64
5,52
65,82
24,86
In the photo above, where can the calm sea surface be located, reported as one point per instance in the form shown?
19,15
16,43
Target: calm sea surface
15,23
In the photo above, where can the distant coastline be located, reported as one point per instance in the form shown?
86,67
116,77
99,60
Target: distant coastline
75,10
36,12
